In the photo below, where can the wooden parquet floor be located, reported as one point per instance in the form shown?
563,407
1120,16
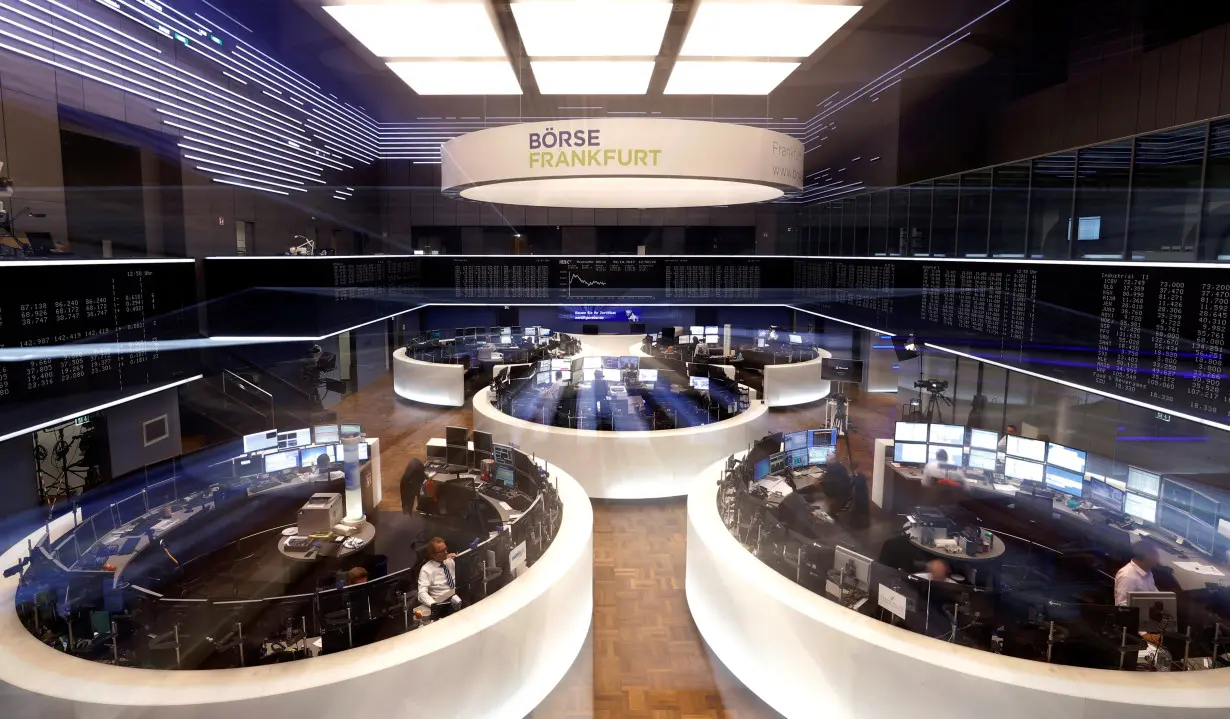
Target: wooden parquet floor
645,657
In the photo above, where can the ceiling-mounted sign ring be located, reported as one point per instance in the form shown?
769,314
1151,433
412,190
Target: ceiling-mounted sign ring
622,163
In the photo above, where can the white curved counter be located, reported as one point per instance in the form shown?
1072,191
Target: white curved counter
807,656
786,385
428,382
610,346
497,658
626,465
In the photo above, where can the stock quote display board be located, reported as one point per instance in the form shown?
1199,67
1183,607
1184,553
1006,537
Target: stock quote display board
1155,334
75,304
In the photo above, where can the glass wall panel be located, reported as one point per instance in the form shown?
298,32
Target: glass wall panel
944,211
847,226
898,217
1052,190
1010,210
1166,194
1215,224
879,223
920,219
973,222
1103,173
862,216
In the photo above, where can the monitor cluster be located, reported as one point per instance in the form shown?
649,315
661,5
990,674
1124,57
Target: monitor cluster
805,448
279,451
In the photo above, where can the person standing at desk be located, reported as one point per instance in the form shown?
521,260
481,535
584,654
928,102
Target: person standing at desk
1137,574
437,579
1009,431
601,389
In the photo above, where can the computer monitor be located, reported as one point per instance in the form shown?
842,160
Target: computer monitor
350,430
339,454
502,454
610,363
587,375
1142,482
518,331
308,455
544,332
1062,480
700,383
713,339
591,363
456,436
796,440
505,330
326,434
505,475
295,438
818,437
364,451
560,364
260,440
983,439
797,458
796,339
909,453
949,434
981,459
647,376
248,466
956,454
760,470
459,332
629,363
542,379
760,343
819,455
777,462
483,443
531,331
852,566
762,333
712,329
1067,458
1031,449
279,461
685,339
459,456
1140,507
696,330
1023,469
1158,610
910,432
1106,496
505,339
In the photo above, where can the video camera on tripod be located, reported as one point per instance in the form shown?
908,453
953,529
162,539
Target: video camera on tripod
935,404
934,386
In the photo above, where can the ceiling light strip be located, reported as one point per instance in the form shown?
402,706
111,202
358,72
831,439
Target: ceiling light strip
245,178
84,28
283,150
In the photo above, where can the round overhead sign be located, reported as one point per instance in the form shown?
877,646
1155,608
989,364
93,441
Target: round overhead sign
622,163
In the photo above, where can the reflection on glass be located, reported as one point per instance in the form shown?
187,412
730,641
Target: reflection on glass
1103,172
919,234
944,209
898,220
878,243
973,220
1010,210
1166,193
1052,191
1215,225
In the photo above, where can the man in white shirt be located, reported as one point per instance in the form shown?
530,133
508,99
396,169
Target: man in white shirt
938,469
1136,575
437,579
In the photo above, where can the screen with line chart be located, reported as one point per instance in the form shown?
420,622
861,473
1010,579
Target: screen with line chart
602,278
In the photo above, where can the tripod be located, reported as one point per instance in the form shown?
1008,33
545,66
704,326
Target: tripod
935,406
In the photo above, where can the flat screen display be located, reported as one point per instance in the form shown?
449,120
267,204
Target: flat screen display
560,364
910,453
760,343
351,430
647,376
712,339
1023,469
629,363
279,461
981,459
587,375
696,330
544,365
956,455
1140,507
610,363
260,440
1062,480
531,331
1106,496
910,432
711,329
819,437
685,339
326,434
307,457
248,466
777,462
796,440
796,339
982,439
949,434
700,383
1142,482
819,455
591,363
761,469
797,458
1030,449
543,378
295,438
505,339
1067,458
506,476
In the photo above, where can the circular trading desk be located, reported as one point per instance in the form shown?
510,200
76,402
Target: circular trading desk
786,385
514,646
611,346
625,464
807,656
428,382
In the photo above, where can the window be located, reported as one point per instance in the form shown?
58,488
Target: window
1052,190
1215,226
945,208
973,220
1166,194
1010,210
1102,178
920,219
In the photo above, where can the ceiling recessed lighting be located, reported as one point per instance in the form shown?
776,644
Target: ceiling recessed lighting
421,28
747,28
592,28
464,77
592,77
727,77
622,192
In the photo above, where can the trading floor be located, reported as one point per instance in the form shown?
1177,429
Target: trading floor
644,655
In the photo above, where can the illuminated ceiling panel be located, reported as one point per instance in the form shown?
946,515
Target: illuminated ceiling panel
421,28
460,77
592,77
748,28
591,28
727,77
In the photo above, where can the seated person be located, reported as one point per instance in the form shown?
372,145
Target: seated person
939,470
601,389
1137,574
437,583
937,571
796,514
356,575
